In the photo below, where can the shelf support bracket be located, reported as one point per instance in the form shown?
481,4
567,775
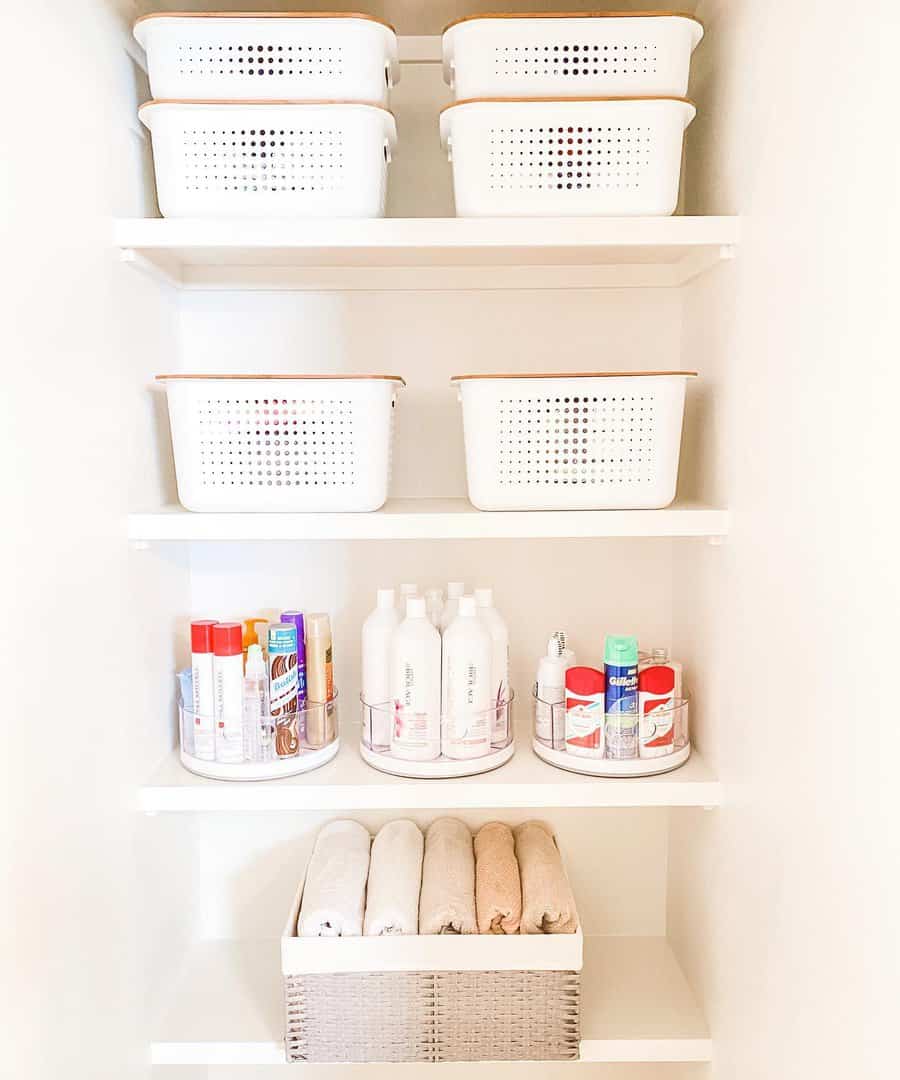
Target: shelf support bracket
162,269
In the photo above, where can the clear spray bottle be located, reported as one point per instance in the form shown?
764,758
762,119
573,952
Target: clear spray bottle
257,724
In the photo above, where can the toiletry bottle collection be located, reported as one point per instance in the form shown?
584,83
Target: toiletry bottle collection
435,675
435,694
258,695
631,708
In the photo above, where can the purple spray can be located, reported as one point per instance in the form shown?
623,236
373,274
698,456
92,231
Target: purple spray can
295,618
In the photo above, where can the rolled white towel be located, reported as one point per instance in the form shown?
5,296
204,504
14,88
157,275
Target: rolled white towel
334,895
395,878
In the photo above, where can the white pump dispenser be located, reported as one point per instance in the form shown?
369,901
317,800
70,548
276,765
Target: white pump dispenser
551,689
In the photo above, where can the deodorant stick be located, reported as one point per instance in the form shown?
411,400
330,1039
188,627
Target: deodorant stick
585,705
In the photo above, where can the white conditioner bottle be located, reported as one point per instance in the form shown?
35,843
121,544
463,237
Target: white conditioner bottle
377,633
466,682
416,686
496,627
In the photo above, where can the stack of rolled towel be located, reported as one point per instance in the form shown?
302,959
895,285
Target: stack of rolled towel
505,881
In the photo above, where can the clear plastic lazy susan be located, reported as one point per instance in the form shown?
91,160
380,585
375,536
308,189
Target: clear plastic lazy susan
375,749
662,750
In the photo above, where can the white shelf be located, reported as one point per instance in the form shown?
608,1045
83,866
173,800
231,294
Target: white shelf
430,519
348,784
426,253
226,1007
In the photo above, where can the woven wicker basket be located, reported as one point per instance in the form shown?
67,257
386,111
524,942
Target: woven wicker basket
433,1016
515,998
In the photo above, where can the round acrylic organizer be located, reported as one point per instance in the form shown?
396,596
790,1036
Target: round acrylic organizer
664,744
378,722
277,749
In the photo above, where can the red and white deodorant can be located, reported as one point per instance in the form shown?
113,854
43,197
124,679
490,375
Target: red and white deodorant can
656,703
585,711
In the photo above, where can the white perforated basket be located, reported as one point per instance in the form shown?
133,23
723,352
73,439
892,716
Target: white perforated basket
222,56
593,441
566,156
312,443
610,54
270,159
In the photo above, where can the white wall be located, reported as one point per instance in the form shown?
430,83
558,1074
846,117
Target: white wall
784,904
79,339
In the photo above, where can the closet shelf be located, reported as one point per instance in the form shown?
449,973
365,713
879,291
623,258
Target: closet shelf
430,519
426,253
348,784
226,1007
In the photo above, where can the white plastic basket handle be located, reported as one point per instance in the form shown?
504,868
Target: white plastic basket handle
388,75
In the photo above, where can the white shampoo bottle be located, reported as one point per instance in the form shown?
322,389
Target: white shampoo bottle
377,633
434,606
405,591
415,670
496,627
455,590
466,685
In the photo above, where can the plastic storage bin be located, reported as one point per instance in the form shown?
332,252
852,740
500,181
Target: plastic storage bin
471,997
310,739
270,159
222,56
282,442
613,54
377,721
562,157
550,745
591,441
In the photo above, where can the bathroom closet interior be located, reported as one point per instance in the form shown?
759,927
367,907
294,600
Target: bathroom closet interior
680,868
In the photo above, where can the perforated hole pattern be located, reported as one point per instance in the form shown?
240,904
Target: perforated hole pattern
575,61
263,159
256,61
569,158
276,442
597,440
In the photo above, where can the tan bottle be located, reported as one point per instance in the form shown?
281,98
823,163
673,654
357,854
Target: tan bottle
320,725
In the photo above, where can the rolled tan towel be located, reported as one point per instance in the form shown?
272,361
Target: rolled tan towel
548,906
447,903
498,888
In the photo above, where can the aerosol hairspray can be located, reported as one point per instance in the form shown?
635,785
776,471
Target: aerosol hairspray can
295,618
283,688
